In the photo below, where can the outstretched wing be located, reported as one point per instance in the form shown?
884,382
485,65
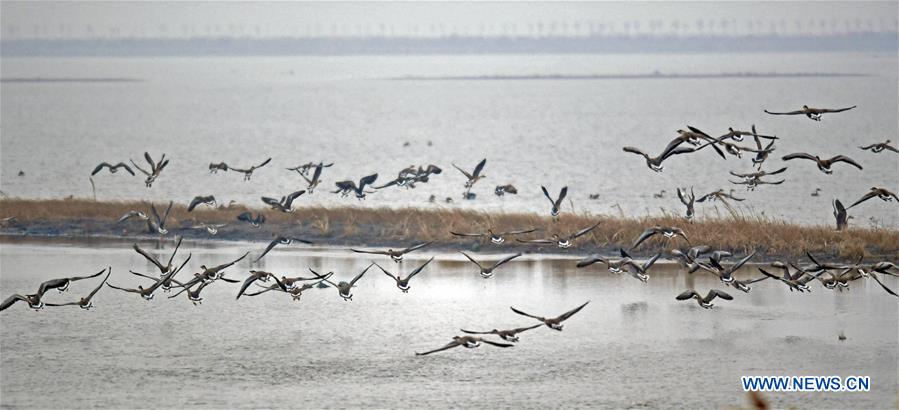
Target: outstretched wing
785,113
637,151
417,247
472,260
100,168
418,269
584,231
864,198
369,252
450,345
497,344
149,258
359,276
467,175
823,110
527,314
876,279
367,181
645,235
571,312
799,155
504,260
387,273
467,234
270,246
479,167
843,158
687,294
293,195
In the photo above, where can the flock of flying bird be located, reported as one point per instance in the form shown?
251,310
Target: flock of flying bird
696,258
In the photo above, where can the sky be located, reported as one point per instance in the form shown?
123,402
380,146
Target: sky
67,20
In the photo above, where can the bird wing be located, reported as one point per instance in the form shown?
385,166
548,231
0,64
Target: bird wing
683,195
687,294
535,241
467,175
467,234
843,158
479,167
97,289
225,265
584,231
482,333
823,110
864,198
245,285
264,163
12,300
522,329
519,232
717,293
571,312
293,195
472,260
785,113
418,269
799,155
504,260
139,168
546,194
876,279
497,344
271,245
194,202
125,166
359,276
637,151
449,345
367,181
369,252
100,168
417,247
122,289
589,260
74,278
643,236
387,273
165,216
527,314
741,262
149,258
562,195
175,251
323,278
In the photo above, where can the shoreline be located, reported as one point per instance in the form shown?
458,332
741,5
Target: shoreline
345,227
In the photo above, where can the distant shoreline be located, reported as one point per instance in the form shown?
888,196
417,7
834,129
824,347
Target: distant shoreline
656,75
384,227
66,80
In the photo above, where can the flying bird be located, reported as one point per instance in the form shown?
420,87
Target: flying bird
281,240
487,271
85,302
285,204
706,301
688,201
260,276
510,335
344,188
247,217
208,200
154,170
823,164
875,192
563,242
669,232
344,289
495,237
156,224
875,148
811,113
248,172
112,168
401,282
469,342
556,203
554,323
395,254
475,175
501,190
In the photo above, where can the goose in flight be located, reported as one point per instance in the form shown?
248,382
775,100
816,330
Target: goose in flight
753,183
62,284
823,164
148,292
812,113
757,174
163,269
154,170
761,153
690,259
156,224
115,168
469,342
248,172
132,214
797,281
510,335
487,271
725,274
556,203
688,201
475,175
212,229
208,275
839,213
501,190
260,276
304,169
673,148
719,195
33,301
281,240
395,254
247,217
554,323
85,302
875,192
496,238
563,242
295,292
401,282
639,272
737,135
669,232
291,283
170,282
345,187
285,204
705,302
344,289
315,180
875,148
614,265
215,168
208,200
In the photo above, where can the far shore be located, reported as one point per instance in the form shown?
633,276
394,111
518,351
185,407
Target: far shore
344,227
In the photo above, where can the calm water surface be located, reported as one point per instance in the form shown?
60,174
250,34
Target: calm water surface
632,346
533,132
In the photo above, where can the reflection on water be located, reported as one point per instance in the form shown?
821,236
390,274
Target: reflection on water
633,345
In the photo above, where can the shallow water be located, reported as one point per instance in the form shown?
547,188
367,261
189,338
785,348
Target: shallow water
551,132
632,346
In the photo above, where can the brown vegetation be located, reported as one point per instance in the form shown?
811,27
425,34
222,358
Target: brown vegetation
366,226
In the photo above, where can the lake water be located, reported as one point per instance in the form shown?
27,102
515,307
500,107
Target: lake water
632,346
533,132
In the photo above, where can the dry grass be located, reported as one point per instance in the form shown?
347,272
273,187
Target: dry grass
736,232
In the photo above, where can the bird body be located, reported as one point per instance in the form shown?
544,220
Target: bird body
812,113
